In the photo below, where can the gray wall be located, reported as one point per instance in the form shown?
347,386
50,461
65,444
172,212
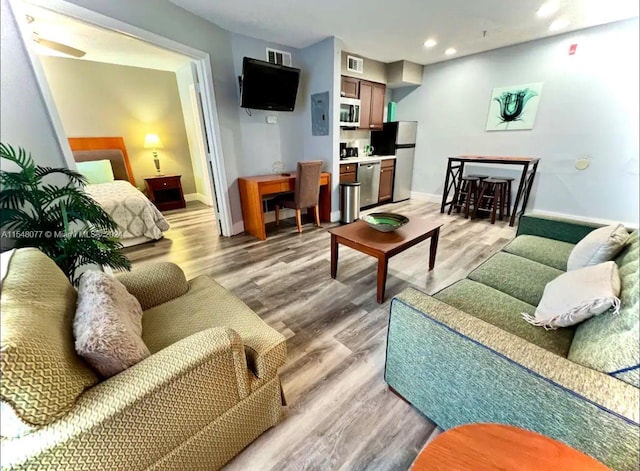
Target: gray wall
98,99
374,71
25,121
588,107
320,62
263,144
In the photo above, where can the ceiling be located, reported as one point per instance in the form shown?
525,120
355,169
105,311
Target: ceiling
100,45
392,30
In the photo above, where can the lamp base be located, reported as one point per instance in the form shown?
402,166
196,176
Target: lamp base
156,162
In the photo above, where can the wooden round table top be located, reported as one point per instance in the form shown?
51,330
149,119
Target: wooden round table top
493,447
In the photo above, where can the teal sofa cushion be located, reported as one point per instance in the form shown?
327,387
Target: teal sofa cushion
553,253
516,276
609,342
503,311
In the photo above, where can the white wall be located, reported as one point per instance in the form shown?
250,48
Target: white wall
193,127
588,107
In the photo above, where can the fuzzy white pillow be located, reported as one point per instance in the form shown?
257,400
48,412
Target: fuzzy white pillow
598,246
108,324
577,295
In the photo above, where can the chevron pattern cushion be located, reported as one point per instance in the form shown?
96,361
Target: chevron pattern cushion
42,376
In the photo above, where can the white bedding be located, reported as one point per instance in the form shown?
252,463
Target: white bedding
135,215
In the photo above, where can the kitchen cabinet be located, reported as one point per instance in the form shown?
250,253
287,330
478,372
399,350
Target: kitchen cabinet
371,105
348,173
350,87
386,180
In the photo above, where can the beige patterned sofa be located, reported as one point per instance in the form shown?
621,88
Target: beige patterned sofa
210,387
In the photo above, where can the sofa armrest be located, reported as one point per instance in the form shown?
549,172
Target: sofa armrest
155,284
459,369
149,408
565,230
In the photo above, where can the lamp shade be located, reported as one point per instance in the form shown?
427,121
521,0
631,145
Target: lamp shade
152,141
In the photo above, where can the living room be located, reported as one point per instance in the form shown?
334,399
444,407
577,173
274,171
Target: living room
341,413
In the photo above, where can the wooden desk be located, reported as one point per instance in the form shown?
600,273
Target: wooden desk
253,189
455,171
491,447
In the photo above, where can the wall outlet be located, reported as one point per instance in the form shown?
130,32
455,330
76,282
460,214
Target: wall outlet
272,120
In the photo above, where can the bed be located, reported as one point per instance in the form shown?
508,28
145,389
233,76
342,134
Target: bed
138,220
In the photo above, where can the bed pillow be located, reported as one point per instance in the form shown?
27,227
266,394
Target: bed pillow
108,324
578,295
97,171
598,246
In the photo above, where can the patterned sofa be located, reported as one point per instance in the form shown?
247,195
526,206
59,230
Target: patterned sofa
465,355
209,388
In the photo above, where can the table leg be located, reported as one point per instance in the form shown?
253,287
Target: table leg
383,263
334,256
445,191
529,185
523,177
434,248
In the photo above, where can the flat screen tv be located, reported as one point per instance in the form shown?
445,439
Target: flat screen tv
267,86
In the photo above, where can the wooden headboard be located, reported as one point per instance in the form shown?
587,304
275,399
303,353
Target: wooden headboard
87,149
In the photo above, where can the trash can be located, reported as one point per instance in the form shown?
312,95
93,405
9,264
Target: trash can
349,202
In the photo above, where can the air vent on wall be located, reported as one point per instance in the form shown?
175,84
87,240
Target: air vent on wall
355,64
279,57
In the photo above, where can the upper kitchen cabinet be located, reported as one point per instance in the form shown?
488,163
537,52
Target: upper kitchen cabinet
350,87
371,105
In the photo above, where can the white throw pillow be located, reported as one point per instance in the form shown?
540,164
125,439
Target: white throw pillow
96,171
578,295
598,246
108,324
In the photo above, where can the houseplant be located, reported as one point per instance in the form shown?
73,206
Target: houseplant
47,208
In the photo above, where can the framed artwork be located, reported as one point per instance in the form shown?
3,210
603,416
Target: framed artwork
514,108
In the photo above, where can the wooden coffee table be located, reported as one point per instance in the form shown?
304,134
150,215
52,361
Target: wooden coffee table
492,447
383,245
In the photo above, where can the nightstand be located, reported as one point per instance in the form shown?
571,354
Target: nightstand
165,191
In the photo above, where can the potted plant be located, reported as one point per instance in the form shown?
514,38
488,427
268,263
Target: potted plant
60,219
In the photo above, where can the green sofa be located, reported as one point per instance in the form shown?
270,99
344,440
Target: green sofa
465,354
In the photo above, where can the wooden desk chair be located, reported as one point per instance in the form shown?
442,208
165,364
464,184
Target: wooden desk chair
306,193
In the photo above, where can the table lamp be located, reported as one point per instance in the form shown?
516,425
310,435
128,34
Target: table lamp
152,141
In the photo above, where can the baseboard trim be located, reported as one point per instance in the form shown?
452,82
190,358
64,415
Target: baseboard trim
428,197
191,197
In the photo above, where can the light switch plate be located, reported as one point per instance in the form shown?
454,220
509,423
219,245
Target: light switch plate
272,120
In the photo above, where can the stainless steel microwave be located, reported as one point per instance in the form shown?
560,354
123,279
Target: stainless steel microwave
349,112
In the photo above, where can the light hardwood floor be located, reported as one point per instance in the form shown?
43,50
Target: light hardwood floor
341,414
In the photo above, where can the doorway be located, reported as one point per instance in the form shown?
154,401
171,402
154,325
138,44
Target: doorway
195,86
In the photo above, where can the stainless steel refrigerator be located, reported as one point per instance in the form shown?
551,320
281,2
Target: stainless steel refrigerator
398,138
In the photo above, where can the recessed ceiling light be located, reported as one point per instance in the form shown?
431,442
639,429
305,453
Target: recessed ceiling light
548,9
430,43
558,24
451,51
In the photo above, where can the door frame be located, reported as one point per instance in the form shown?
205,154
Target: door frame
200,59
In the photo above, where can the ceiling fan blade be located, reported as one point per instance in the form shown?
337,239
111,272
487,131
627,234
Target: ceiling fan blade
63,48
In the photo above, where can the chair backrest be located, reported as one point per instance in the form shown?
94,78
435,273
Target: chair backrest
307,189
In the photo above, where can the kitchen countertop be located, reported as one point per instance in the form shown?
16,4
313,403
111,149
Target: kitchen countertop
371,158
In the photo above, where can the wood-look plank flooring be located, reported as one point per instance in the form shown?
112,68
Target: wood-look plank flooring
341,415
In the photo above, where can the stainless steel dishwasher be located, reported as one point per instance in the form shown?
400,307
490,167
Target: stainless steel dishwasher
369,178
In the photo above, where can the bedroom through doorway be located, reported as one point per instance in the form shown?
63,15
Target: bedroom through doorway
112,84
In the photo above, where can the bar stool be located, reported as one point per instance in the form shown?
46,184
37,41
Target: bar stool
492,196
508,191
462,197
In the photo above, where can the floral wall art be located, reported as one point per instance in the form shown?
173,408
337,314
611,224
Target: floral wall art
514,108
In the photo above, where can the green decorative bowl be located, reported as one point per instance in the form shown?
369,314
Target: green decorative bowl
385,222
